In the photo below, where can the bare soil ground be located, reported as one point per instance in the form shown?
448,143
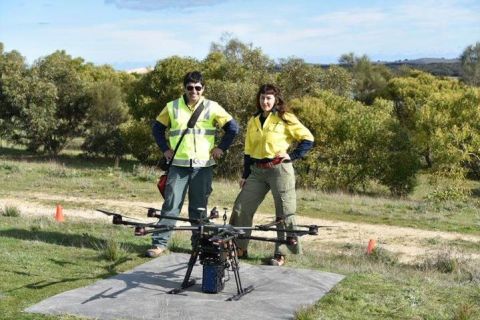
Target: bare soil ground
409,243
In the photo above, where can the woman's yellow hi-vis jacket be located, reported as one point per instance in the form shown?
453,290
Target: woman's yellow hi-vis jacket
275,136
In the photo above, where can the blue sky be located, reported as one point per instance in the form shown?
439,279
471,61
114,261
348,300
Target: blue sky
136,33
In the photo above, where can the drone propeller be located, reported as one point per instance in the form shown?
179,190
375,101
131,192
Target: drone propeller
310,225
118,219
278,220
108,213
152,213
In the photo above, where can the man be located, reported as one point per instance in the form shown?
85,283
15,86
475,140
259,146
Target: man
191,168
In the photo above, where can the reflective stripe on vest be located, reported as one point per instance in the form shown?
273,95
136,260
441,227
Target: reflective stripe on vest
195,131
193,163
175,108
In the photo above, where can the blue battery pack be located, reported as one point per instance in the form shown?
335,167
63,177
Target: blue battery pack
213,280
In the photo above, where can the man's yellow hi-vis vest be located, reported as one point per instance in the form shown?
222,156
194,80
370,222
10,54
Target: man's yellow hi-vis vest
195,147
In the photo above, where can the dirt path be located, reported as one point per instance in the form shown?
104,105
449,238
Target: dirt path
409,243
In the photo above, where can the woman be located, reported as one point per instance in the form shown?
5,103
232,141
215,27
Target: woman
268,166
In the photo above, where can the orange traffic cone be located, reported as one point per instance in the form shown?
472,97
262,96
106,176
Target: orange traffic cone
371,246
59,214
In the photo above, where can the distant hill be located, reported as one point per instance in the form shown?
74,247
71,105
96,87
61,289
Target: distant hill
424,61
435,66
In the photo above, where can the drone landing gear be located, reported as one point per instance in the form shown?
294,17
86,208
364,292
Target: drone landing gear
241,294
190,283
187,282
215,259
240,290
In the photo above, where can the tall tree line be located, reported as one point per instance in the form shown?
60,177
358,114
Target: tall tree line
371,125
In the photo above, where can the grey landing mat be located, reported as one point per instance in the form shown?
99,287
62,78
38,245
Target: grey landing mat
142,293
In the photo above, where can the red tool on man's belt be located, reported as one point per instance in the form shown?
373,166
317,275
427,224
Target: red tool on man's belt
162,183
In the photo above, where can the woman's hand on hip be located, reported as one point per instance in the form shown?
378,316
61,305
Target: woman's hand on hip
283,155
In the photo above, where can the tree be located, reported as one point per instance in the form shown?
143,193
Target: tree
369,80
353,145
107,114
164,83
336,79
238,98
13,92
72,101
297,78
27,103
470,63
38,115
234,60
139,139
442,118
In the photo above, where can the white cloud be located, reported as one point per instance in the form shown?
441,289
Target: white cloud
407,29
355,17
431,14
147,5
400,29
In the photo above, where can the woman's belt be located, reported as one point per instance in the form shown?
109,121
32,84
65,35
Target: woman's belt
270,163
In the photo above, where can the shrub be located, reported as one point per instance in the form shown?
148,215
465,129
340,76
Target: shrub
111,249
383,256
444,261
144,173
354,144
10,211
465,311
139,141
9,168
449,185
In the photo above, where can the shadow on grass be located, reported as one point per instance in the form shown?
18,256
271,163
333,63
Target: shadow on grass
110,270
68,240
475,192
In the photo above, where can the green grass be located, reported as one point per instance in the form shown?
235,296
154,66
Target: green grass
40,258
377,287
457,216
444,286
23,175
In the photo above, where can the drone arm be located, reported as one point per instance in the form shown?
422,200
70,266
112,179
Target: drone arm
161,216
277,221
289,240
312,230
118,219
141,230
152,213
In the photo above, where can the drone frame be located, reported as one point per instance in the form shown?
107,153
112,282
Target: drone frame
216,235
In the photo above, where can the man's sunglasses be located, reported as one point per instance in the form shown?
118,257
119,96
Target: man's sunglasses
197,88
